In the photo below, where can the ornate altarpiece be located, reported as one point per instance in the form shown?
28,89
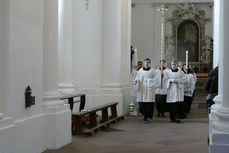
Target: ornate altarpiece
188,33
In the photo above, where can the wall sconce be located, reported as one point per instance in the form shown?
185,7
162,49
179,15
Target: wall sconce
29,99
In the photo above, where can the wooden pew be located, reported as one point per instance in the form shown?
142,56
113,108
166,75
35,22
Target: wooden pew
71,101
93,123
70,98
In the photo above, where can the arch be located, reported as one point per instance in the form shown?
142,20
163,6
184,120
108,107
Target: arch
188,39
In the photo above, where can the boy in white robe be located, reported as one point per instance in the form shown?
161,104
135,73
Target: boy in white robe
145,91
161,89
180,65
133,91
189,88
175,91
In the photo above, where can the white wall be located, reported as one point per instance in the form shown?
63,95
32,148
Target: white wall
143,31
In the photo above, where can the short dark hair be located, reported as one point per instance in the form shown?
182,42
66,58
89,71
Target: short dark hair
148,59
174,61
139,62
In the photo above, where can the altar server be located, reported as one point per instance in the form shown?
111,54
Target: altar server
161,89
189,88
133,91
144,84
175,91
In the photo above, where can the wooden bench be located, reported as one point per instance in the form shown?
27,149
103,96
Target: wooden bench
93,123
71,101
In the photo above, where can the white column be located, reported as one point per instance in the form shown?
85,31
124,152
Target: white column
116,41
1,115
218,53
216,31
115,54
4,56
111,42
50,93
65,84
225,70
220,130
57,115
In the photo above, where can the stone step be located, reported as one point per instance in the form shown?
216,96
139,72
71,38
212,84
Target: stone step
199,106
199,101
200,113
201,92
200,98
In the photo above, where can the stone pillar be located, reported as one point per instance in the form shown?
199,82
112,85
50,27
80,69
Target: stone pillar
57,119
65,84
116,41
225,54
111,42
1,115
50,93
4,57
115,54
216,33
218,53
220,127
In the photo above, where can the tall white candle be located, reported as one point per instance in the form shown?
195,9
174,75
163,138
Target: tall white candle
186,58
136,56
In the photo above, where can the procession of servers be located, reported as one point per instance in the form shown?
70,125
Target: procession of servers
171,89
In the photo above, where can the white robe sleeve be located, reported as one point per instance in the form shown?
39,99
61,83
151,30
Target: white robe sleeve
165,78
136,81
195,78
158,79
192,83
189,85
152,81
133,76
168,81
181,80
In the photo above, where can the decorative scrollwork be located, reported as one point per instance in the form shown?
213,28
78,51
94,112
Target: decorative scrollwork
189,11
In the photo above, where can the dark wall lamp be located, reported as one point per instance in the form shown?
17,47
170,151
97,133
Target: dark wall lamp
29,99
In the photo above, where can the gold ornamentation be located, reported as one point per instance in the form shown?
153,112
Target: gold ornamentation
162,10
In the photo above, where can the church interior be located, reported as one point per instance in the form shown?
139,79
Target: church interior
63,60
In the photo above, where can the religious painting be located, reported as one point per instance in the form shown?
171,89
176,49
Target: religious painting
188,39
